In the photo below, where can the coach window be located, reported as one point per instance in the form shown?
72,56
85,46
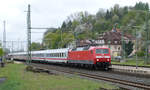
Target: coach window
59,54
64,54
38,55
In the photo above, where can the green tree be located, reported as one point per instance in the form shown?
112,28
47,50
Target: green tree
35,46
141,6
128,48
57,39
115,19
140,53
66,38
1,52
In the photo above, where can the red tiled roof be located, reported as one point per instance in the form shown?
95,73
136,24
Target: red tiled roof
114,36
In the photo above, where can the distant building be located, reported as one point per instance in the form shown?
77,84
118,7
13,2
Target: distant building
113,40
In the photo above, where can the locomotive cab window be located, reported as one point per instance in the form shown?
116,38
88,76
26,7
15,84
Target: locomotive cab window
102,51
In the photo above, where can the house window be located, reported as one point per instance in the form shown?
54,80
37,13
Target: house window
118,48
115,42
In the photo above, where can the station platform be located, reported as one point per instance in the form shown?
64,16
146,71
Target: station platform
131,69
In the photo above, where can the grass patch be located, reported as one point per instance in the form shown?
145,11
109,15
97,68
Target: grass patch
19,79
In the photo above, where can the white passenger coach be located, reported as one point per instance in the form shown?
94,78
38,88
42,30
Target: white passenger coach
53,55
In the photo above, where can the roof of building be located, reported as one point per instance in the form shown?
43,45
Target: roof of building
114,37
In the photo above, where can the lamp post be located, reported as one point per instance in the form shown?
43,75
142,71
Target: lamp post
109,42
147,38
136,48
122,39
136,44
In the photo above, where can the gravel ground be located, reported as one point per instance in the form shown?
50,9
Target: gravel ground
111,74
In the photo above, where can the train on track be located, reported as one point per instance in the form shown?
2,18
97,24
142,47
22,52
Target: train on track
90,57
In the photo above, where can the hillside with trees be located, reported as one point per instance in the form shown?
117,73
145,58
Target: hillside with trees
82,25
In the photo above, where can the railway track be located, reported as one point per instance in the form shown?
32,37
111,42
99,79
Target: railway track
97,77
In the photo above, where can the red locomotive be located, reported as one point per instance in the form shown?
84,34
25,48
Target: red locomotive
97,57
90,56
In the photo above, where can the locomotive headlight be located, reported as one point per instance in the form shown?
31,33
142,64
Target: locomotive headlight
97,59
108,59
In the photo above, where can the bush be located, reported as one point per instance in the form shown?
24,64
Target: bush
140,53
1,52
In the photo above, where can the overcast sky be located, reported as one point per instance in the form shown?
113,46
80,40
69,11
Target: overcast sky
47,13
